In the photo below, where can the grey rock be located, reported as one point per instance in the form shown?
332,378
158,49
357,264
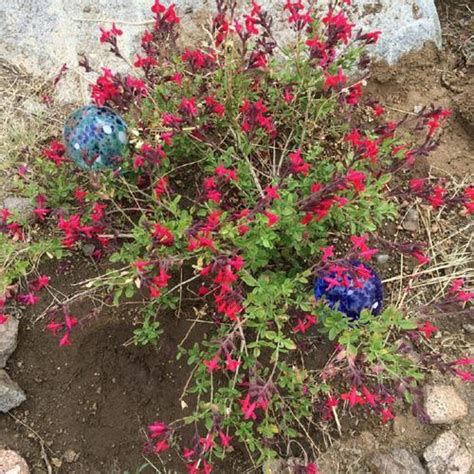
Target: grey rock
12,463
41,36
8,339
88,250
447,456
469,328
21,207
411,221
397,461
382,259
443,404
406,25
11,395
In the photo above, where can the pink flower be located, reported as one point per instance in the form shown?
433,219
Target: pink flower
3,318
207,443
422,259
248,408
465,376
65,340
312,469
465,296
157,428
464,362
327,252
29,298
70,321
225,439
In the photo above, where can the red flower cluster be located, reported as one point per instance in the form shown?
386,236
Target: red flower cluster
256,116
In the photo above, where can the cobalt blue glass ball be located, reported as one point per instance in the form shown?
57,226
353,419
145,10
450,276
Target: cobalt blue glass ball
95,137
351,299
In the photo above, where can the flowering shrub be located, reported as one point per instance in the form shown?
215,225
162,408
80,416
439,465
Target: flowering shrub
253,169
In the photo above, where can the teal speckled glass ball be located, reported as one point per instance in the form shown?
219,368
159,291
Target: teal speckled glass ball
95,137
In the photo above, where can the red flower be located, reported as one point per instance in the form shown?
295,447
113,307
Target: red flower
248,408
387,415
231,364
3,318
108,35
158,8
312,469
357,179
161,446
162,235
332,402
298,165
225,439
428,329
370,38
55,152
188,107
65,340
378,109
422,259
212,364
336,81
70,321
272,218
29,298
157,429
352,397
465,376
464,362
54,327
207,443
369,397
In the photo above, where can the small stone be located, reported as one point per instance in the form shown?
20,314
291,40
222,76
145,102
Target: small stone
411,220
469,328
397,461
447,456
34,107
282,466
8,339
12,463
71,456
19,206
443,405
11,395
88,250
382,259
56,462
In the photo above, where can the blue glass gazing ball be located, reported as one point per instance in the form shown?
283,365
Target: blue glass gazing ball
347,297
95,137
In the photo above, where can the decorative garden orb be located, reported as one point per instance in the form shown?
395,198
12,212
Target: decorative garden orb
95,137
351,300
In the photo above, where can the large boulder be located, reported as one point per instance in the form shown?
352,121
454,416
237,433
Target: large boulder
42,35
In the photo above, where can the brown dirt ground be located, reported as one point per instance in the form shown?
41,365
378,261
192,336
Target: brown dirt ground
96,397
